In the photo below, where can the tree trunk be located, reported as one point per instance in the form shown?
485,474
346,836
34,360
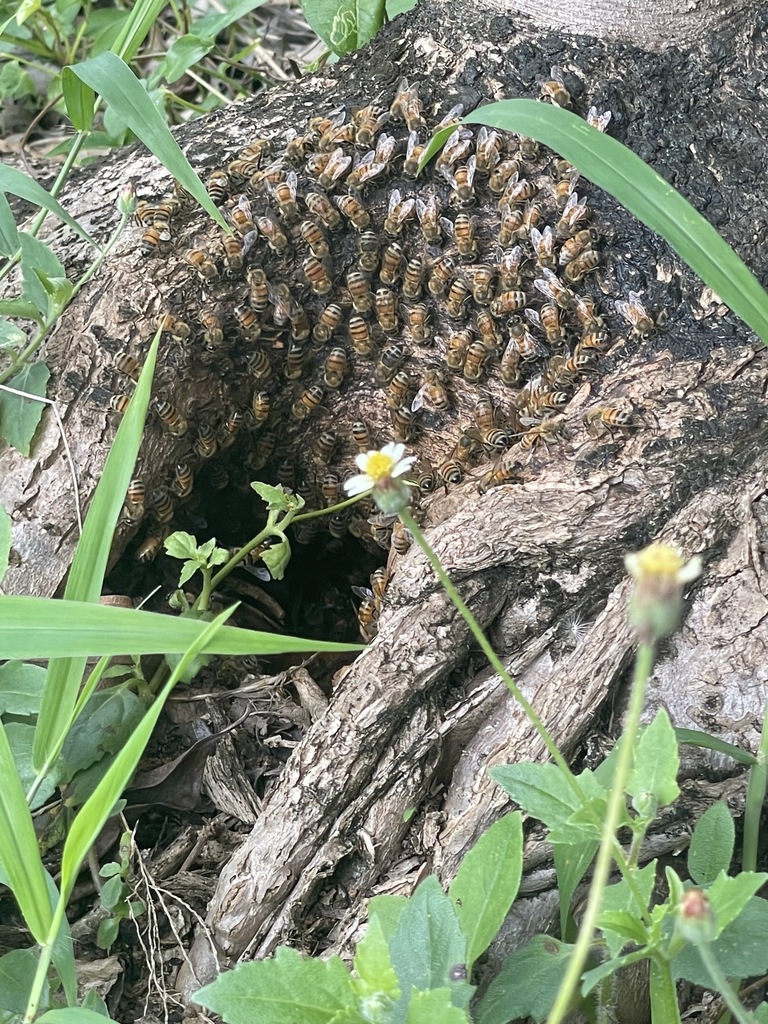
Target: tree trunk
418,719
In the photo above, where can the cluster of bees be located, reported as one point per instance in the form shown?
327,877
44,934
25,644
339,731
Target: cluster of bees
350,292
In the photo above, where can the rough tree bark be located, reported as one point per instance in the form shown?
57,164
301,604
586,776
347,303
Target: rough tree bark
417,720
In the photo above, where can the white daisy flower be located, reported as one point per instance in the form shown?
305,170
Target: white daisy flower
380,470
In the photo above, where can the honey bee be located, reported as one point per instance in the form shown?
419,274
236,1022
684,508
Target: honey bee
518,191
554,89
464,235
361,436
554,290
262,450
501,174
391,262
148,215
314,238
510,363
149,548
248,321
486,327
397,389
299,323
451,470
152,237
508,302
359,291
286,474
267,177
398,212
328,322
548,320
241,216
424,475
170,417
217,185
588,315
450,118
457,147
307,402
119,403
368,122
565,186
282,303
276,238
598,121
392,356
295,358
505,471
199,260
330,487
562,369
483,277
407,105
429,218
183,480
338,524
258,294
485,415
456,349
374,163
401,538
403,422
367,615
336,166
487,149
128,365
261,405
528,345
317,275
218,477
474,362
368,251
413,277
546,432
205,443
458,294
213,330
635,313
574,213
413,154
510,223
360,336
582,265
441,275
243,168
462,180
323,209
510,261
386,310
335,367
170,324
543,243
337,134
532,214
285,197
259,366
233,252
608,416
354,211
432,394
580,242
418,323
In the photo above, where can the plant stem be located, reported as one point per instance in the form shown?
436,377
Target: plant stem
720,984
756,789
614,808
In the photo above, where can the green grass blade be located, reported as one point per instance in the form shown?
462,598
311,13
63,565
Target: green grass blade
19,853
89,564
114,81
98,807
36,627
20,184
136,29
641,190
703,739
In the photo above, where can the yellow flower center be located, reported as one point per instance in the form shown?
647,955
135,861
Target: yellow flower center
659,560
379,466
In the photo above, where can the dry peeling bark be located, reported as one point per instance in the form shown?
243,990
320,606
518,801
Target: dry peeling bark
417,719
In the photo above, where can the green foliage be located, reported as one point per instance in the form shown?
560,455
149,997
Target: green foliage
345,25
115,894
712,843
527,982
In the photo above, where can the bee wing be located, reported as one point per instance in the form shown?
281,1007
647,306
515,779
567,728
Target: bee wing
413,142
385,147
394,201
363,592
292,182
599,121
533,316
420,399
537,239
557,75
453,114
471,169
545,288
249,240
448,228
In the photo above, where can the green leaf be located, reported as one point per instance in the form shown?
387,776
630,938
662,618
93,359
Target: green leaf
487,882
656,763
9,233
277,557
107,932
694,738
103,726
17,975
396,7
284,990
12,336
39,267
527,983
79,99
21,308
543,792
373,965
712,844
344,25
387,910
571,863
73,1015
435,1005
182,54
625,925
210,25
760,1013
19,854
620,897
6,539
642,191
118,86
729,896
36,627
428,945
276,498
741,950
20,417
21,737
181,545
20,184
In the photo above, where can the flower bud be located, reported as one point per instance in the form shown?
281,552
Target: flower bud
696,922
656,604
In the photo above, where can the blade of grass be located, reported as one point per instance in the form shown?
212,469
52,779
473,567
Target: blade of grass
36,627
643,192
114,81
